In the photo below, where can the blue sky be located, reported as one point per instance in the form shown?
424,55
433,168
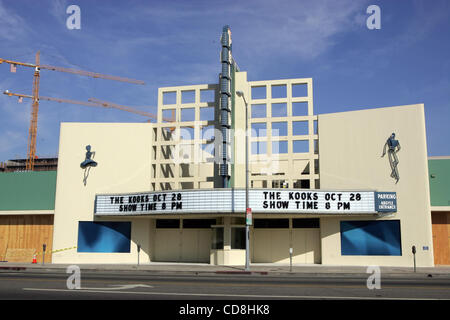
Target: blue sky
169,43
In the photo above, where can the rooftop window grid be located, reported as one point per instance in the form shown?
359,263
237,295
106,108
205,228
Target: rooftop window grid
191,101
264,97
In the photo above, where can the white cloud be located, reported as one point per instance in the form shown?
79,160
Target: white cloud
12,26
10,139
58,10
304,28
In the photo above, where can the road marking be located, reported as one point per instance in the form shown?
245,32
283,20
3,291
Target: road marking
9,273
277,285
230,295
119,287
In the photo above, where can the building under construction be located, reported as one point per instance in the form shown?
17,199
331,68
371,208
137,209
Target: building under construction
40,164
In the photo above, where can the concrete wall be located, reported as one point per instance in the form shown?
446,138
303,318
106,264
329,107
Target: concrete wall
351,145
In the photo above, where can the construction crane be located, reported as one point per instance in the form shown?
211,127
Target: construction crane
31,149
85,103
93,102
126,108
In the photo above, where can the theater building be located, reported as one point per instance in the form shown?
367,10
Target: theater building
318,183
349,188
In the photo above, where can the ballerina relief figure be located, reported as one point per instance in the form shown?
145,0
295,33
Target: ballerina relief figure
88,162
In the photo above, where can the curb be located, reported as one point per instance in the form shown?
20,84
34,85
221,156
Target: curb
356,275
13,268
180,270
242,272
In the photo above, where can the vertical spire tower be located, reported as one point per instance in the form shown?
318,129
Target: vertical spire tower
225,99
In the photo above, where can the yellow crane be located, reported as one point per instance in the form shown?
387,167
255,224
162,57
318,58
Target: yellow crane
130,109
31,149
91,103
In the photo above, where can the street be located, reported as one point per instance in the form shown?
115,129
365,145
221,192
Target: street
107,285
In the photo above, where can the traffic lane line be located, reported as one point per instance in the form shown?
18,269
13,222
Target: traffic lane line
240,284
220,295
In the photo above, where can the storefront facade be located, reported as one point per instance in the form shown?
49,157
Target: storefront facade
319,184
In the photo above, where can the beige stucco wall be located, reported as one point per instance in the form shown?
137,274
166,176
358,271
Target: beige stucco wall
350,149
122,151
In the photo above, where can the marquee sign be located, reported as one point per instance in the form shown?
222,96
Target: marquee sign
233,201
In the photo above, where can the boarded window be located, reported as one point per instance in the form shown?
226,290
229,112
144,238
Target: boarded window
104,236
371,238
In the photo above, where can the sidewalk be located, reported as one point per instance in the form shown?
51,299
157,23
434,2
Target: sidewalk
255,269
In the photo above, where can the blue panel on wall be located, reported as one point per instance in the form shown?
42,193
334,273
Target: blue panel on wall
371,238
104,236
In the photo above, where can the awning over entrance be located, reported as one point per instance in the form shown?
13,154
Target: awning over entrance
233,201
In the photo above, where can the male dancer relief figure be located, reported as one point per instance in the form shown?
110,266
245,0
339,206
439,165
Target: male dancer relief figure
393,146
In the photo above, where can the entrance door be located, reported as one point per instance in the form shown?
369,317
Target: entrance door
195,245
188,240
272,239
441,237
306,241
306,246
167,240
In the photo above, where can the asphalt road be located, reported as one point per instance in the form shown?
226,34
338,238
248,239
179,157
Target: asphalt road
137,285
